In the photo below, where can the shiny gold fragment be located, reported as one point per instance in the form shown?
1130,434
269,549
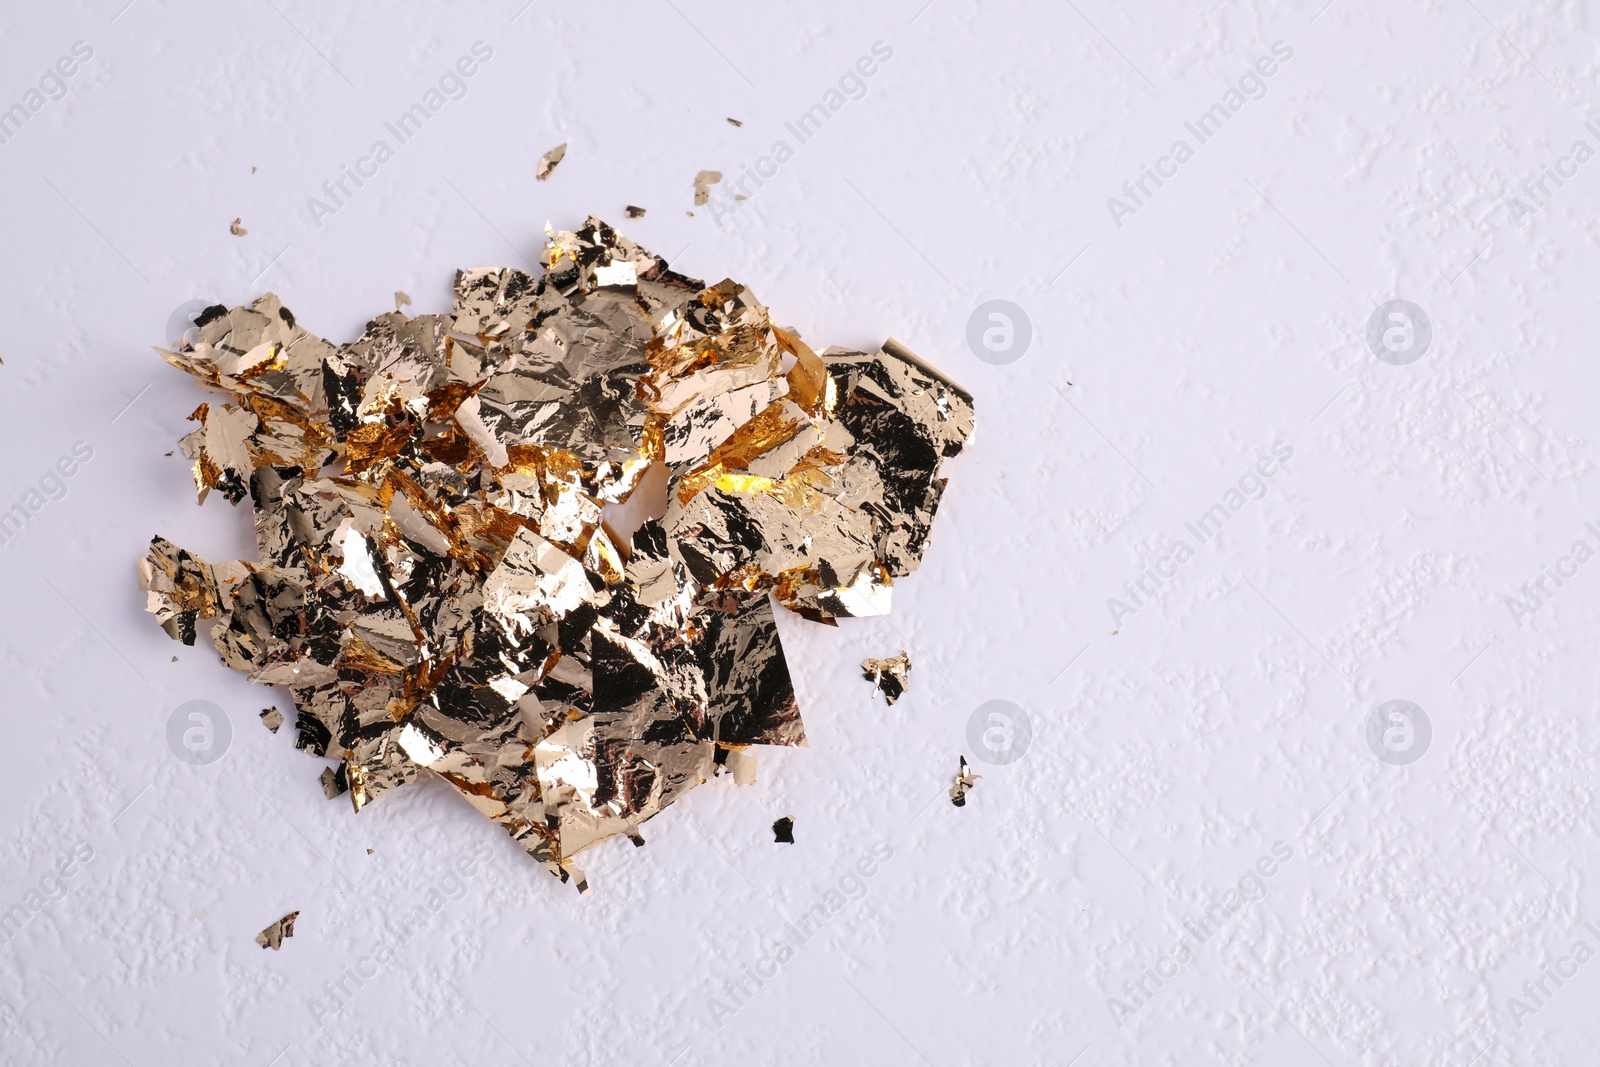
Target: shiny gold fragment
439,582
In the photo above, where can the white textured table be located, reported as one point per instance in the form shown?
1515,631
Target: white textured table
1209,525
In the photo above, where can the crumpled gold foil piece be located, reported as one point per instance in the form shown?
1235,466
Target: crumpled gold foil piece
550,161
964,781
703,182
272,937
890,675
437,583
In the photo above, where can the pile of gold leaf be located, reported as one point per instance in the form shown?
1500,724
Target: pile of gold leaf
438,586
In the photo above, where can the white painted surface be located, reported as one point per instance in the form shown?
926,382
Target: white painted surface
1225,315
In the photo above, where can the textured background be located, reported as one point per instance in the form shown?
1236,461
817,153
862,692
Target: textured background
1173,745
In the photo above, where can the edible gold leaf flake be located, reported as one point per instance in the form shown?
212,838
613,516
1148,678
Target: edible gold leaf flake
272,937
965,779
891,675
549,161
703,183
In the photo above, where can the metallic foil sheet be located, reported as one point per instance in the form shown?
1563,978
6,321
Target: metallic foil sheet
963,784
550,161
438,586
272,937
891,675
703,182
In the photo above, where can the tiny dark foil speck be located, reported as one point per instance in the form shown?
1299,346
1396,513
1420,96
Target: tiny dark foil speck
439,586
